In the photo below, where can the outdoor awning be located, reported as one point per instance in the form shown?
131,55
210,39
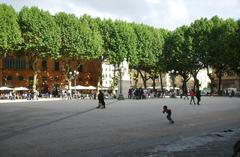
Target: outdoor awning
5,88
106,88
20,88
91,87
80,87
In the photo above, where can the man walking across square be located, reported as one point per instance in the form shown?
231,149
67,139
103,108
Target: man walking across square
198,96
101,102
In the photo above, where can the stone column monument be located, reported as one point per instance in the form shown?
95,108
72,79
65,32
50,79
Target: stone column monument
124,81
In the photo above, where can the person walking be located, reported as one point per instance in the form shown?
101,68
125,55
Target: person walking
232,93
101,102
169,114
198,96
192,95
130,93
10,95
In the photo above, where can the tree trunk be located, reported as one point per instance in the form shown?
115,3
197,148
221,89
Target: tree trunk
68,77
185,80
196,81
136,79
144,78
99,84
161,82
219,82
145,83
211,85
35,74
197,85
184,88
219,72
1,74
115,80
154,83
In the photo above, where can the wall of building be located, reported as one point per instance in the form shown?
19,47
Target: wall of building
107,74
49,77
229,82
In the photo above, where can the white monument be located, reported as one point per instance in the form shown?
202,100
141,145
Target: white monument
124,80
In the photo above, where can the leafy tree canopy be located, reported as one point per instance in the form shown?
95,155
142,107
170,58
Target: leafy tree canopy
40,33
10,34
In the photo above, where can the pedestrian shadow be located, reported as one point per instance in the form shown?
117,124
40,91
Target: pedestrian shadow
24,130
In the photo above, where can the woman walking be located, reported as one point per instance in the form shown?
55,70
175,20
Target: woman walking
192,94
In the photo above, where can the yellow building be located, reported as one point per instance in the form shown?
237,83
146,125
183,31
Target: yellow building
229,81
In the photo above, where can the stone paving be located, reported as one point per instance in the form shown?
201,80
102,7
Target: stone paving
125,128
216,144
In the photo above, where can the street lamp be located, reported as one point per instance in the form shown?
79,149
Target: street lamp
73,75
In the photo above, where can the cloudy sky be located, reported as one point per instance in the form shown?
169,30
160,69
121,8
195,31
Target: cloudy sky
158,13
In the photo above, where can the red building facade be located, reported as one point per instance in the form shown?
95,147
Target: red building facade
16,71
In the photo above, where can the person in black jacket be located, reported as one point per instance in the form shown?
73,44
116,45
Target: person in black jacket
101,102
198,96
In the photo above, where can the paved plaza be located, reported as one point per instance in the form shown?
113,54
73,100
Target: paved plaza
75,128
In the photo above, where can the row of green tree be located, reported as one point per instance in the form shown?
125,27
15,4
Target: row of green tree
205,43
150,51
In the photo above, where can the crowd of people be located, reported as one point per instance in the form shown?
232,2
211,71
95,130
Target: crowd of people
29,95
133,93
143,93
68,94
